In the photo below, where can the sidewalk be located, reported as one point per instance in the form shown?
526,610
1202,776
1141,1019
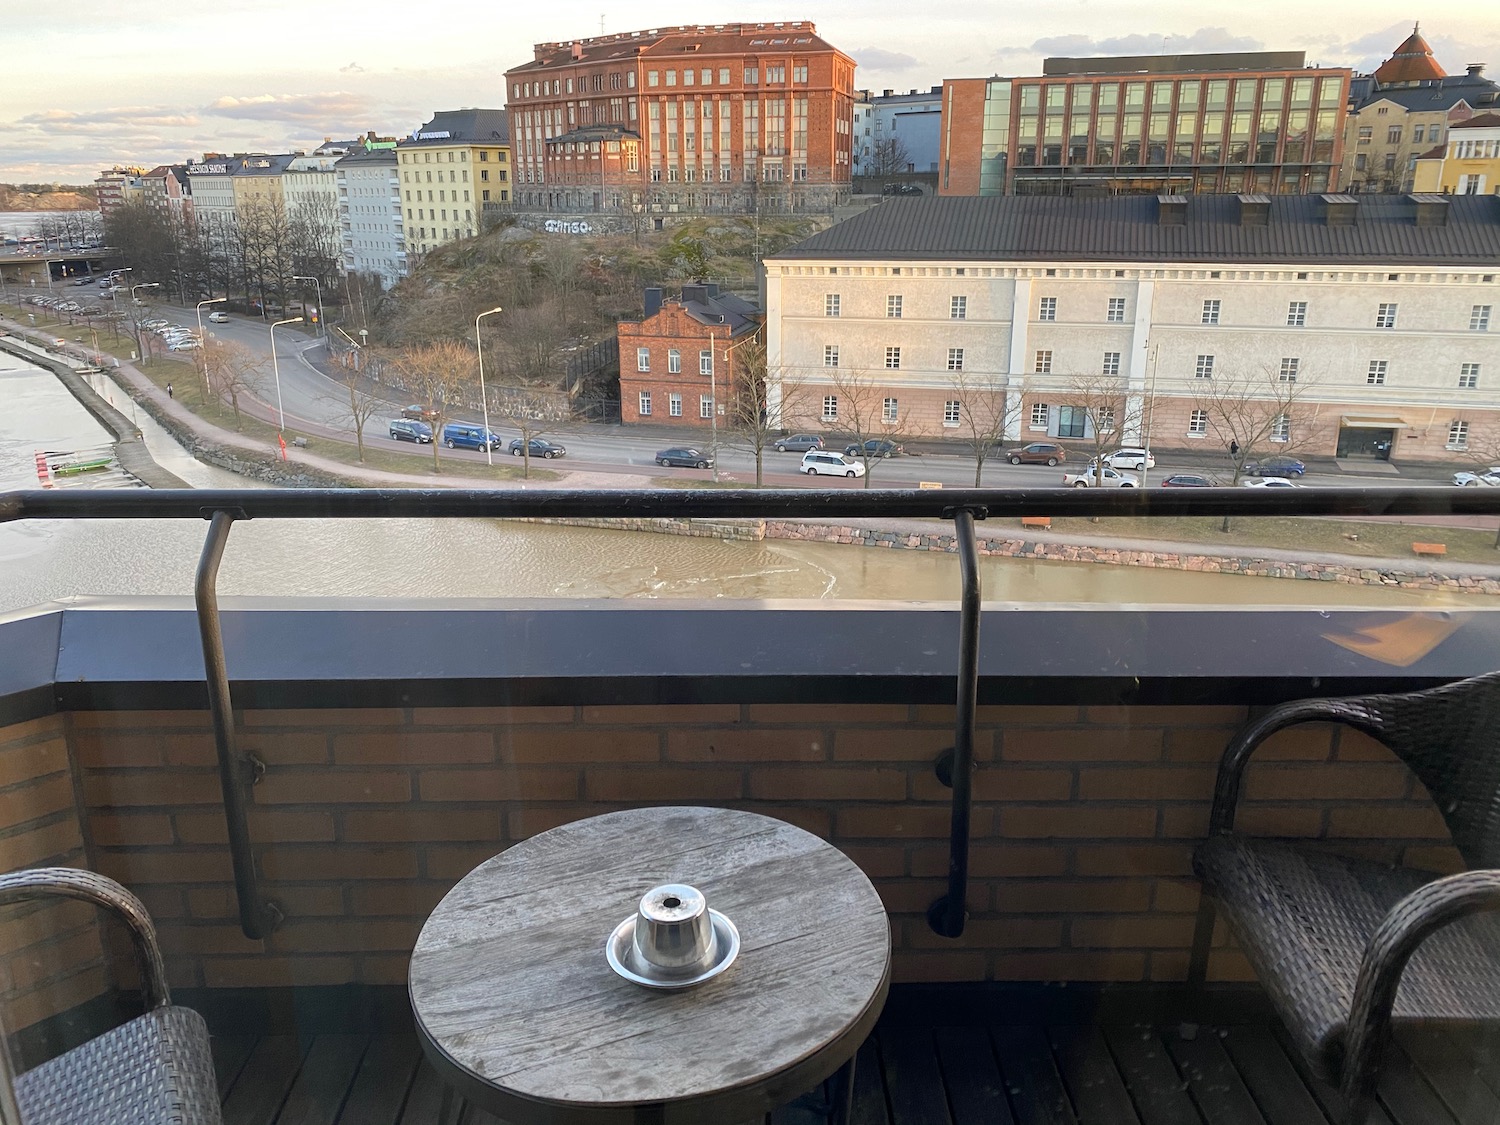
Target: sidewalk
181,420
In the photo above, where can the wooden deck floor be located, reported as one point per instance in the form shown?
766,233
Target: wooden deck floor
1111,1074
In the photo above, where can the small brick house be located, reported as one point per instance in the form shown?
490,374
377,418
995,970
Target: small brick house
681,354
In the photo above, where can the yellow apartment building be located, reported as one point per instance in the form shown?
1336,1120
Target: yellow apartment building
450,168
1469,164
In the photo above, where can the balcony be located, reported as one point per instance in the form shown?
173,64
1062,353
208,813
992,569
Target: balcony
398,743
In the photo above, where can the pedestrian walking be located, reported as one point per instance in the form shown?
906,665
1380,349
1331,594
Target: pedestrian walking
169,391
1234,446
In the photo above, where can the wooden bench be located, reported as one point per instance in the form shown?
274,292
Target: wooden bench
1430,548
1036,521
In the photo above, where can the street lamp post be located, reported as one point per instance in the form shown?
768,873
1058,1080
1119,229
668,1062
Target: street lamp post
276,369
318,288
202,344
135,321
713,405
484,398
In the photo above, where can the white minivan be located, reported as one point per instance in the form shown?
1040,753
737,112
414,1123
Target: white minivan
827,463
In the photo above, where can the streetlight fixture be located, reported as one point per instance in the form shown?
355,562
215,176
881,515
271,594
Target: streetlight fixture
318,288
135,321
276,369
713,406
202,344
484,398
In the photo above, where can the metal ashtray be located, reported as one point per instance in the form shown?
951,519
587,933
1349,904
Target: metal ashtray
673,940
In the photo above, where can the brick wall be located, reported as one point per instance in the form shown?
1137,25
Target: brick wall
1083,828
51,957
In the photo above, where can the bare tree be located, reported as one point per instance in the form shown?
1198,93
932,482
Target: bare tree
890,157
1099,410
234,370
985,411
530,340
867,414
752,417
441,374
359,407
532,409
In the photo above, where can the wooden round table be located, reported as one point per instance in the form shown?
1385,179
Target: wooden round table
518,1010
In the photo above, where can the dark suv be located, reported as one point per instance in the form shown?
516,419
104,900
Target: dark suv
875,447
797,443
1037,453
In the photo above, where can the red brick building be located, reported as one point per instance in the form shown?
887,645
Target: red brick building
680,356
706,118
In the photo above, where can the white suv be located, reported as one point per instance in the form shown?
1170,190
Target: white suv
826,463
1130,457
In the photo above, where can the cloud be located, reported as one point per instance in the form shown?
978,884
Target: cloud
1205,39
877,59
352,68
329,108
98,120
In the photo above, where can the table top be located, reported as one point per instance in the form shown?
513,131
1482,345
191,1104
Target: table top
519,1009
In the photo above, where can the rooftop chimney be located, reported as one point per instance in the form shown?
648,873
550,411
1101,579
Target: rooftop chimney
1340,210
652,302
1255,210
1171,210
1476,69
576,51
1432,209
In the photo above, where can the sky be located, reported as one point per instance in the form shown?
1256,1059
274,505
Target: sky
149,84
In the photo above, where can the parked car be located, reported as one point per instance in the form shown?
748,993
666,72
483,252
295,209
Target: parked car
1268,482
684,457
1113,478
217,317
1037,453
874,447
1130,457
798,443
826,463
1189,480
1468,479
1276,467
540,447
466,435
419,414
184,345
404,429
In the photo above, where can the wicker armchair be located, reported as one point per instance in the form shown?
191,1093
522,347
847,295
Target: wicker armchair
155,1070
1346,947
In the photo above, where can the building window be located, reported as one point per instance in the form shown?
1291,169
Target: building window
1479,318
1289,367
705,406
1043,364
830,408
1386,316
1116,313
1111,364
1205,367
674,404
705,362
1296,314
674,361
1047,310
645,403
958,308
1198,422
1211,311
830,355
643,359
1375,377
951,412
1458,435
893,359
1281,429
1072,421
830,304
1039,411
890,410
955,359
1106,419
893,306
1468,376
1393,134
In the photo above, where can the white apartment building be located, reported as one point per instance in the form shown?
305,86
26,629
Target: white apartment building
896,133
310,184
371,227
1386,311
211,182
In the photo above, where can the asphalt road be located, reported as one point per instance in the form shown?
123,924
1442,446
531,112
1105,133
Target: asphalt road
316,405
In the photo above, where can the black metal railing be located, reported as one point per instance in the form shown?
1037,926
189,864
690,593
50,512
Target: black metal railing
964,506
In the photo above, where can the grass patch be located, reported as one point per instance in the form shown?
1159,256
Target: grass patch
1307,534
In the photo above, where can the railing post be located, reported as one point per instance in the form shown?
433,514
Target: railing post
254,913
948,914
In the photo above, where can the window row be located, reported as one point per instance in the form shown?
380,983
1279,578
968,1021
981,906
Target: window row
958,306
831,358
1072,421
1114,312
674,405
674,361
890,410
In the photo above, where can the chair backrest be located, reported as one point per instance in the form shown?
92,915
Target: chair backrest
1450,738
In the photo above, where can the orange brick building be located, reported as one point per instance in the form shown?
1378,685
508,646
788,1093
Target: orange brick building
706,118
680,356
1259,121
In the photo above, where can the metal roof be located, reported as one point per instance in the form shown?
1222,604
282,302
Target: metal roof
1126,228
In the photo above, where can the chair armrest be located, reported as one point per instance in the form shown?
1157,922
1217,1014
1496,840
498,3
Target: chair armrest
70,882
1247,740
1403,929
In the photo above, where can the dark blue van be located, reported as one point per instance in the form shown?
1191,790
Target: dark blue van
466,435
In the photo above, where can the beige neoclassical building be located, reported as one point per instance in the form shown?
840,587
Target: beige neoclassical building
1382,311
